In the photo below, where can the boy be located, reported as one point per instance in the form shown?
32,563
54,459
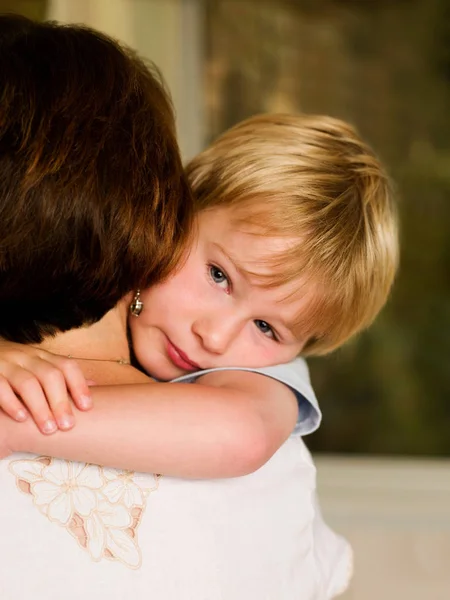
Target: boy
295,251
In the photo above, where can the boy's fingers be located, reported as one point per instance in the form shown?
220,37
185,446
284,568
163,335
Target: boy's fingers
53,383
41,363
43,381
29,388
75,382
10,403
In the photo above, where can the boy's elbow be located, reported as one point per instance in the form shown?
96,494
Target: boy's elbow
251,450
255,456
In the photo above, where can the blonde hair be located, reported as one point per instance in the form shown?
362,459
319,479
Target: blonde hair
311,179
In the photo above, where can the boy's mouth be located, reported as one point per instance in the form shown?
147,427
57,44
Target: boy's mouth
180,359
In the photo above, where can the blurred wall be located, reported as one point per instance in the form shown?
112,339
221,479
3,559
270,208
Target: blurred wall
396,515
169,33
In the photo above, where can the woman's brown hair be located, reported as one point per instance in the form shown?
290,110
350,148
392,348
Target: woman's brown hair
93,199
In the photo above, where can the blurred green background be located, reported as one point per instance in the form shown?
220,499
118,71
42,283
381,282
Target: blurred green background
384,65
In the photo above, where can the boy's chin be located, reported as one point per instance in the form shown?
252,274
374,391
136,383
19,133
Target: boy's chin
163,372
156,364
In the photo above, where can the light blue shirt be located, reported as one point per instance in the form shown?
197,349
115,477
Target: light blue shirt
296,376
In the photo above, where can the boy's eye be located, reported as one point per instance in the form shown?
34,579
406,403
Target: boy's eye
265,328
218,276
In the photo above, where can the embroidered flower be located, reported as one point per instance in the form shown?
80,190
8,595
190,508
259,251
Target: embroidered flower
128,487
107,532
100,508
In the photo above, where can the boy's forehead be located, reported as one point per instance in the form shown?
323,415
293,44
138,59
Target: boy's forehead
249,246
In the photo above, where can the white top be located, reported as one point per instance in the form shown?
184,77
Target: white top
71,530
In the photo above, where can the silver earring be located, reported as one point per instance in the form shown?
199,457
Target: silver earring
137,305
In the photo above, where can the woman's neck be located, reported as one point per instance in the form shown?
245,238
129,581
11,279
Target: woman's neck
104,340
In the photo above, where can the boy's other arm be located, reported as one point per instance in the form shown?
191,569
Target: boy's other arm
229,424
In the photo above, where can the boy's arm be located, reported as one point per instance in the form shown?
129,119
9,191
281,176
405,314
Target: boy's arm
229,424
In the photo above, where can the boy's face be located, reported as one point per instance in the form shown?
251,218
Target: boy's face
213,313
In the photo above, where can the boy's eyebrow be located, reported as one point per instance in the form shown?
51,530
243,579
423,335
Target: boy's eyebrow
244,272
238,267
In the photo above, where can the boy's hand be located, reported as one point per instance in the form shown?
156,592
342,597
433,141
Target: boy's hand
41,384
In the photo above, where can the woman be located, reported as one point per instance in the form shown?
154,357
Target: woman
94,204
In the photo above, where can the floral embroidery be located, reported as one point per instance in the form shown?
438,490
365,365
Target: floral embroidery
128,487
101,508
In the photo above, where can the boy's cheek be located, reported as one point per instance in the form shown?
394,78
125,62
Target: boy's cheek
147,346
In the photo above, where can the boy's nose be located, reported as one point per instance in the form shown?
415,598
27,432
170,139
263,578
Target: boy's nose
215,336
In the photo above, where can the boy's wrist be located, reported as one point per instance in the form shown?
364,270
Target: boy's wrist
6,435
13,435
